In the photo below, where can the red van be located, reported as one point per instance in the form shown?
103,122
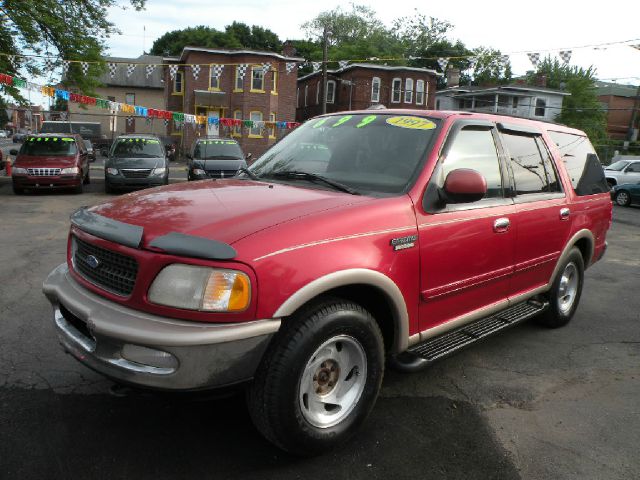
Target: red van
51,161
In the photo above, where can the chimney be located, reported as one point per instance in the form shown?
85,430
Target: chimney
541,80
288,50
453,77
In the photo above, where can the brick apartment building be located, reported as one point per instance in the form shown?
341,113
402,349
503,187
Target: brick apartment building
618,101
220,92
360,85
24,119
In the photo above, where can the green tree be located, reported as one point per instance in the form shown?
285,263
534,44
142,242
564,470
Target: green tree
581,109
492,68
69,29
237,35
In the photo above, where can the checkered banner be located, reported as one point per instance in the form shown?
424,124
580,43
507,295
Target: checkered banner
130,68
343,63
504,58
290,67
113,67
241,70
534,58
195,70
216,70
172,71
443,62
636,46
166,122
85,67
565,55
129,121
266,67
148,70
472,62
65,66
11,58
316,66
48,65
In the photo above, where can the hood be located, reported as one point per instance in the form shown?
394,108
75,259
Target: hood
220,164
132,162
223,210
32,161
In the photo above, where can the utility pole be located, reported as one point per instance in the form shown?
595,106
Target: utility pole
634,115
325,36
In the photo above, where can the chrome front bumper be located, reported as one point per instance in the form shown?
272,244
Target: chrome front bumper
141,349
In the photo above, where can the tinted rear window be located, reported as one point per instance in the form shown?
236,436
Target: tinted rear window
581,162
217,149
49,146
137,147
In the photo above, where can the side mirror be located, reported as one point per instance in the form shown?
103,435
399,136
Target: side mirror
13,151
464,185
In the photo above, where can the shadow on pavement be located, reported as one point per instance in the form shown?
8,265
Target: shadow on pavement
46,435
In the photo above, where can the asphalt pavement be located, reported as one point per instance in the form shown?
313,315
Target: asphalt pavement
530,403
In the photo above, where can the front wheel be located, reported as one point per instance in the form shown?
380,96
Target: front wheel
623,198
319,379
565,291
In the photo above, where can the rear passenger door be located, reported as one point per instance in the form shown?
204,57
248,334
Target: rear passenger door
631,174
542,219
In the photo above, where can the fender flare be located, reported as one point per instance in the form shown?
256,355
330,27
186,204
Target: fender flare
359,276
579,235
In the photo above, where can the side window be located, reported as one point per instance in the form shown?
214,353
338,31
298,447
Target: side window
549,167
581,163
633,168
475,148
530,165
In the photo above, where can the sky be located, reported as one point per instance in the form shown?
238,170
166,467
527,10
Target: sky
543,26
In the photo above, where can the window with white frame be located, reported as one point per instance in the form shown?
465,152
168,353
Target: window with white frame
255,130
396,90
419,92
331,91
375,90
408,90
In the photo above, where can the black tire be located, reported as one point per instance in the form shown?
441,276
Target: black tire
17,190
108,188
275,400
556,316
623,198
80,188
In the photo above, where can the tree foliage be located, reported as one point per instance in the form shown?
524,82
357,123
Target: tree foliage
69,29
581,109
237,35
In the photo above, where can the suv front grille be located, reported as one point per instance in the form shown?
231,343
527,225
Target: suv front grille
221,173
113,271
44,172
136,172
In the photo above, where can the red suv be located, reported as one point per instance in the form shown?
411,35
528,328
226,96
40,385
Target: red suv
361,239
51,161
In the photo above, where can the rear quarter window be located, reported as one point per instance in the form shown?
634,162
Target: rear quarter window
581,162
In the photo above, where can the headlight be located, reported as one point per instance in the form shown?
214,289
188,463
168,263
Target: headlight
199,171
112,171
19,171
201,288
159,171
70,171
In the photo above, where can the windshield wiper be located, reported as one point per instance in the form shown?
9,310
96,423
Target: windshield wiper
314,177
249,173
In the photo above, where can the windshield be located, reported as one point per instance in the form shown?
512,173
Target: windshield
376,153
220,149
619,165
49,146
137,147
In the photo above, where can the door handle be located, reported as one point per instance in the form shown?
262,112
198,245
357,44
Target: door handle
564,213
501,225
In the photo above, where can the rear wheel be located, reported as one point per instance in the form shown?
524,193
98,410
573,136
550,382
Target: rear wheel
623,198
565,291
319,379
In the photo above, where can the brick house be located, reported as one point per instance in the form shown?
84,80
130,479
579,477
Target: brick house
619,102
256,96
360,85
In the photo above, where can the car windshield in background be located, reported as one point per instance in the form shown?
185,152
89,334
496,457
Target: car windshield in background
619,165
137,147
49,146
374,153
217,149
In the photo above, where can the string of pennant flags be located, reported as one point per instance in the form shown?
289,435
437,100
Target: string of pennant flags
179,118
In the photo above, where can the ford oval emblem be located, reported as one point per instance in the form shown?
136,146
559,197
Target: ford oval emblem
92,261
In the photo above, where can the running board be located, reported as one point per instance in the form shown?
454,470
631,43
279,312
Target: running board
441,346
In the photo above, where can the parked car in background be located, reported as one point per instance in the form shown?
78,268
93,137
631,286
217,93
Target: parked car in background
412,235
214,157
50,161
626,194
3,134
91,152
136,161
18,137
623,171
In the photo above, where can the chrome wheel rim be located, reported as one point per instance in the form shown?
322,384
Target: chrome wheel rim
568,288
332,381
622,198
